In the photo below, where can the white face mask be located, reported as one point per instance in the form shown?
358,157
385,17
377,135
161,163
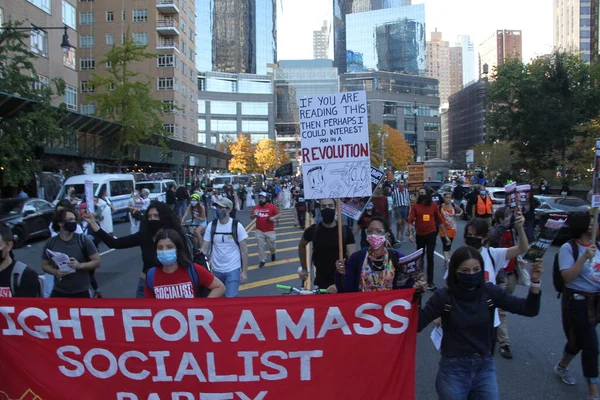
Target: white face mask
194,203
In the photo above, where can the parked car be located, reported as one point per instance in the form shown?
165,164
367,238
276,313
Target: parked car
567,206
158,189
28,218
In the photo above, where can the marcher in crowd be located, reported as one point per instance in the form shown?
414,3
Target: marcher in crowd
325,249
158,217
170,197
265,214
543,189
449,212
363,224
232,196
578,261
466,307
425,216
16,279
401,201
82,253
181,199
226,244
176,276
483,207
104,209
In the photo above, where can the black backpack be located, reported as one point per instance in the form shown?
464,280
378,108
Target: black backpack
557,278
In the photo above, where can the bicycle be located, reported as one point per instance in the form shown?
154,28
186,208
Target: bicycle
192,241
300,291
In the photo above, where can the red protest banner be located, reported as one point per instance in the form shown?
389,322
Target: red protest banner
347,346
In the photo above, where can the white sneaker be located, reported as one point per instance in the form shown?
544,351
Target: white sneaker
564,374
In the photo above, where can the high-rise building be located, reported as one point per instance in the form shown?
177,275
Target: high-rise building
51,61
236,36
167,28
445,64
405,102
469,61
576,27
341,8
391,39
321,42
501,45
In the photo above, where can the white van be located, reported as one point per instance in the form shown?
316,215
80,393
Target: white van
119,189
158,189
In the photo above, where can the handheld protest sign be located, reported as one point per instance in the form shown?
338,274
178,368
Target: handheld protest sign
596,191
340,227
335,145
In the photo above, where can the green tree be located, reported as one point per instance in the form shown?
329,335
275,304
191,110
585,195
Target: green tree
537,107
243,155
26,131
124,96
496,157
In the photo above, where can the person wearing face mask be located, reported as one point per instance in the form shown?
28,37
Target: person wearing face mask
467,306
325,253
363,224
196,208
373,268
26,282
83,257
158,216
483,207
225,241
265,214
426,218
176,276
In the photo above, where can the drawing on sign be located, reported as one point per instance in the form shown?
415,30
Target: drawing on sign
353,207
335,145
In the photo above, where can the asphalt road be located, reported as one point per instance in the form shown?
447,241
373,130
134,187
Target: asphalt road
537,343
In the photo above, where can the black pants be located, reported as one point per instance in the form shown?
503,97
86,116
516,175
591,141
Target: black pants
428,241
83,295
301,217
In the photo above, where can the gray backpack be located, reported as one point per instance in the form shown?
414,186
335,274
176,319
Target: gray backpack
17,275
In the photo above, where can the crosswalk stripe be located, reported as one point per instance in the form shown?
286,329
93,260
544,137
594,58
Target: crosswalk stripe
279,241
266,282
275,263
280,234
278,250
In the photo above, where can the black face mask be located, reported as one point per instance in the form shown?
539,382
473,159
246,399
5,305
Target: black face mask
421,198
2,258
328,215
474,242
70,226
154,225
469,281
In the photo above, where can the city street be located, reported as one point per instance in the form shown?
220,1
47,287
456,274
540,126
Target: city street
536,343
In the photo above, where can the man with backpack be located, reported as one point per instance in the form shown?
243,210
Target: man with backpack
225,239
16,278
325,254
576,277
72,277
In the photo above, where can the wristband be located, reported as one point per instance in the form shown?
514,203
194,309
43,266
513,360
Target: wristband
537,284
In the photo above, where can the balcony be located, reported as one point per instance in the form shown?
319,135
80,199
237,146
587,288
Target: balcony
167,27
168,6
167,44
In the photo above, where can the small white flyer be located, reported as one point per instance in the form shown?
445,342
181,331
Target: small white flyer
436,337
61,260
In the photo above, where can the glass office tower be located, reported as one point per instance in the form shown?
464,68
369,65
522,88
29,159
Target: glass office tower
391,40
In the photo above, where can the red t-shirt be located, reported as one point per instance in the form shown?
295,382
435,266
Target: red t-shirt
177,284
425,218
263,213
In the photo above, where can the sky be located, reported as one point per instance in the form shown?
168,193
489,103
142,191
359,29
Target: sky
297,19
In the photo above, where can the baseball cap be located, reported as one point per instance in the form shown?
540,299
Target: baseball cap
263,194
224,202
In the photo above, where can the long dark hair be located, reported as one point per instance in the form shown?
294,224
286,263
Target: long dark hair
167,217
426,201
183,255
459,256
64,203
578,225
480,225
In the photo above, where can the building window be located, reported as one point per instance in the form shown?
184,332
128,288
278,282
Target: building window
223,125
38,40
255,108
123,15
167,60
71,98
86,41
431,127
140,38
201,107
140,15
87,64
110,38
183,110
173,129
88,109
86,18
389,108
223,107
108,64
110,16
169,107
167,83
123,38
184,90
409,125
183,46
201,125
69,59
41,82
69,14
184,133
391,123
43,5
183,68
85,87
182,23
255,126
202,138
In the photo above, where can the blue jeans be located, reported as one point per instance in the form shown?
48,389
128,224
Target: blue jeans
180,206
231,280
457,377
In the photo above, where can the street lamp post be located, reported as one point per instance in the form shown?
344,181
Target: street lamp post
65,43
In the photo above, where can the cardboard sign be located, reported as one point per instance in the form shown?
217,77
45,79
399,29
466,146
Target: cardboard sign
89,196
354,207
335,145
270,348
416,172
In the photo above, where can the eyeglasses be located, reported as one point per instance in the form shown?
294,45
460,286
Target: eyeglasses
378,232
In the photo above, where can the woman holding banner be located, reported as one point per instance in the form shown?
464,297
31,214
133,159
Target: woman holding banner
467,307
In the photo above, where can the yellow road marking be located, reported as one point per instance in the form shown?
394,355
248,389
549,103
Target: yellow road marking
266,282
279,241
278,250
275,263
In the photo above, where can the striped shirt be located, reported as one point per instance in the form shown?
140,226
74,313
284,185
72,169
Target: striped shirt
401,198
